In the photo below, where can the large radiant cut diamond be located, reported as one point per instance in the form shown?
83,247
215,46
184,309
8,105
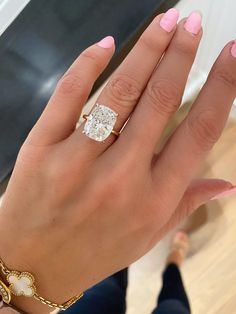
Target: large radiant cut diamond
100,123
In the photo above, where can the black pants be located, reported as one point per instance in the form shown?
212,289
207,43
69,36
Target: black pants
109,296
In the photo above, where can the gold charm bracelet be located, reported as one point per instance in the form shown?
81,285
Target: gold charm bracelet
22,284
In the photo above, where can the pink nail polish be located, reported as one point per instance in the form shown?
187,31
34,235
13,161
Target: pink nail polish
193,23
233,50
225,194
106,42
169,20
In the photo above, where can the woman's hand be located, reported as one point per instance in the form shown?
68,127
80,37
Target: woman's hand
76,210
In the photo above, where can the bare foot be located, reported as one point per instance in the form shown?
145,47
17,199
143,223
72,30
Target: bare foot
179,248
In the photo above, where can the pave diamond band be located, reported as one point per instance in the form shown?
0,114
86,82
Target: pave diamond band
100,123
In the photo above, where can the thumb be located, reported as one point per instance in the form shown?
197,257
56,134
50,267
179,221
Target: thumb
203,190
198,193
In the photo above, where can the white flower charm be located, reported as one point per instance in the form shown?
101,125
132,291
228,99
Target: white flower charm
21,283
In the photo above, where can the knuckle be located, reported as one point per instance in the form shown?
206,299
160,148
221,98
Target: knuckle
114,177
52,173
185,47
114,190
71,83
204,129
225,76
150,42
31,160
89,55
164,96
124,89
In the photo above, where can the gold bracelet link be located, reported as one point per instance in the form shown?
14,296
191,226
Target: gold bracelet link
5,271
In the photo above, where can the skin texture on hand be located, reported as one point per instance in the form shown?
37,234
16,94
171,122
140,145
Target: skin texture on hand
75,210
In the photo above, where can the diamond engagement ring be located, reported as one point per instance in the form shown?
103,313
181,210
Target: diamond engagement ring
100,123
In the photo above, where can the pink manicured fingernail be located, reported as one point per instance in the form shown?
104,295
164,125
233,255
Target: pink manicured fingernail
225,194
106,42
193,23
169,20
233,50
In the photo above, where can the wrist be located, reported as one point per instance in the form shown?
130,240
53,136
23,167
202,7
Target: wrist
21,292
45,287
30,305
41,262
